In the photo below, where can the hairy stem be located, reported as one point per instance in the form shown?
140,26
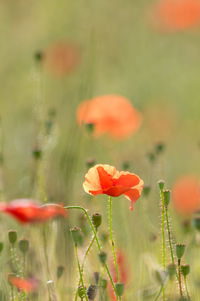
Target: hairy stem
179,276
80,272
163,236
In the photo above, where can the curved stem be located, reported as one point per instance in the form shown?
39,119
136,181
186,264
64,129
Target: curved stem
159,293
97,241
80,273
163,235
111,237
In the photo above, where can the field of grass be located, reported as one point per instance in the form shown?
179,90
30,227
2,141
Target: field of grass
121,53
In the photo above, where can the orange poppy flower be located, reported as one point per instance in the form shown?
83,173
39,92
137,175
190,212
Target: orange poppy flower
111,114
61,58
186,194
105,179
27,211
25,285
124,274
173,15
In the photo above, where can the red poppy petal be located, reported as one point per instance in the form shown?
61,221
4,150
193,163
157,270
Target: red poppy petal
127,180
132,195
116,190
104,178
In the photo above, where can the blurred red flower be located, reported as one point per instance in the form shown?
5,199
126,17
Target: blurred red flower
27,211
61,58
173,15
25,285
186,194
124,274
105,179
111,114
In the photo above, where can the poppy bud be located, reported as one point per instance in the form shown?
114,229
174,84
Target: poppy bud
161,184
90,163
151,156
38,56
24,245
90,127
126,165
76,235
37,153
166,194
1,247
159,147
146,190
196,223
60,270
103,257
12,236
81,293
103,283
96,220
180,249
119,289
185,269
96,277
92,292
171,270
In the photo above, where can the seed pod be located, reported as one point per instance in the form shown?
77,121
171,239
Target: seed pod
180,249
76,235
103,257
92,292
119,289
146,190
96,220
161,184
171,270
12,236
24,245
185,269
166,194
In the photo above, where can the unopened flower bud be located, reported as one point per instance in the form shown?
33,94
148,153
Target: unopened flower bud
180,249
96,220
24,245
119,289
60,271
196,223
171,270
76,235
185,269
12,236
166,194
161,184
1,247
146,190
103,257
92,292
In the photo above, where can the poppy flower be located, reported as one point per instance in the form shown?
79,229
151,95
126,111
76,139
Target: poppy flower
110,114
124,274
173,15
186,194
60,58
25,285
106,179
27,211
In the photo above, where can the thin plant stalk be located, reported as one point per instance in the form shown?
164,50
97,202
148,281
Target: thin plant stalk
186,287
163,236
97,240
80,273
179,276
159,293
111,238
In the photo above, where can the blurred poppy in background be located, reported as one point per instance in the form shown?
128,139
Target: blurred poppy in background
175,15
27,211
60,58
110,114
25,285
105,179
186,194
124,272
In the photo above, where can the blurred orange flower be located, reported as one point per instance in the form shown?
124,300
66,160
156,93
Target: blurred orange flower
27,211
25,285
173,15
124,274
105,179
61,58
111,114
186,194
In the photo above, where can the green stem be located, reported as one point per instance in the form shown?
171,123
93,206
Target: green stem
179,276
111,237
96,238
163,236
80,272
159,293
186,287
169,237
